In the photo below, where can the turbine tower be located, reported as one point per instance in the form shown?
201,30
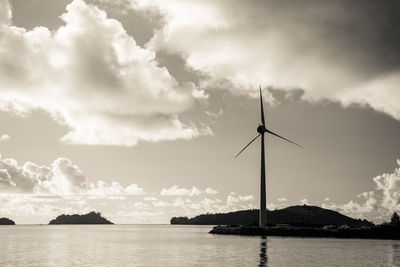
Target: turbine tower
262,129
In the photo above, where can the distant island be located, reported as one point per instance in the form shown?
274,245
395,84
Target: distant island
300,216
89,218
6,221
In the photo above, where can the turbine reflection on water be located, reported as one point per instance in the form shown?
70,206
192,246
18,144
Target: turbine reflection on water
395,261
263,252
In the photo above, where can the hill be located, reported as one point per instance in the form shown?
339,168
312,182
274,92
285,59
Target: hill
89,218
308,216
6,221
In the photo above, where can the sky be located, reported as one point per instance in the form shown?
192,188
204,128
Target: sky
136,108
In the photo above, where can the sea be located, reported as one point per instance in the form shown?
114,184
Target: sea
179,245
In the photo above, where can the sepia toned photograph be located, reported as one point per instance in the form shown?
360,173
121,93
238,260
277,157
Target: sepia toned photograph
200,133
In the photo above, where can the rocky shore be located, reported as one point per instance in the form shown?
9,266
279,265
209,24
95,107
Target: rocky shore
374,232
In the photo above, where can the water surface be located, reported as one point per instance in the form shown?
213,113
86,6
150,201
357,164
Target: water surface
172,245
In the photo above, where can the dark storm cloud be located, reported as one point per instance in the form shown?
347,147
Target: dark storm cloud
361,33
345,51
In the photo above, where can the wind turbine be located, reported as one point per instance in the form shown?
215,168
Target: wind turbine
262,129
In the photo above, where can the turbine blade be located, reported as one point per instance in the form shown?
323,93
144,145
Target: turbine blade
262,108
247,145
268,131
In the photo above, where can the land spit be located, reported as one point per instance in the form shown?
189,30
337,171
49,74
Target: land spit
374,232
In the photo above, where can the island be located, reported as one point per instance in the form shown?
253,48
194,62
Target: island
300,216
296,221
6,221
89,218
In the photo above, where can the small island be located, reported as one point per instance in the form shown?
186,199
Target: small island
89,218
6,221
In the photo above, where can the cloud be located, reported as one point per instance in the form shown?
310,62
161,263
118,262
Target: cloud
303,201
176,191
104,190
194,191
272,206
342,51
150,199
181,206
389,187
377,204
61,178
233,199
4,138
32,193
160,203
5,12
210,191
194,207
355,209
92,77
138,217
215,114
14,204
141,206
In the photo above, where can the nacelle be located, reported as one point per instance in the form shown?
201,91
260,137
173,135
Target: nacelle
261,128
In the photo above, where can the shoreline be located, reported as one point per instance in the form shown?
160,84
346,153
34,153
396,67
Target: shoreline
378,232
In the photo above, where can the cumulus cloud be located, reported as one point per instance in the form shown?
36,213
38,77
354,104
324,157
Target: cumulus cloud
5,12
233,199
193,207
176,191
303,201
186,205
141,206
340,50
150,199
377,204
35,194
272,206
160,203
210,191
25,205
91,76
194,191
389,187
4,138
61,178
103,190
357,210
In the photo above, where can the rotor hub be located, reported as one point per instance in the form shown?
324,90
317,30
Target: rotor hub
261,128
